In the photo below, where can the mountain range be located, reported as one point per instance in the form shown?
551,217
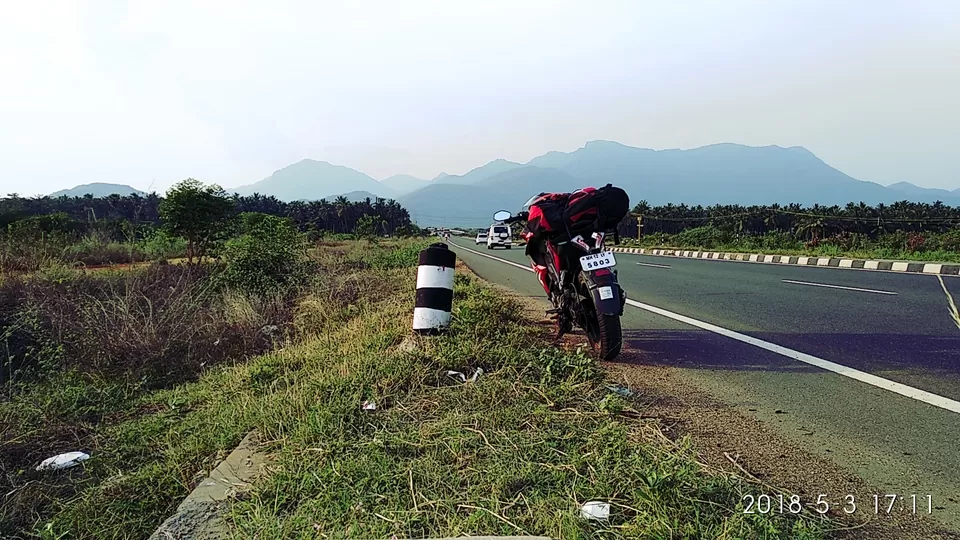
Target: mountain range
723,173
716,174
97,189
314,180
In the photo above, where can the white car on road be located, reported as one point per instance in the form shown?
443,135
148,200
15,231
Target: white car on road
499,235
481,237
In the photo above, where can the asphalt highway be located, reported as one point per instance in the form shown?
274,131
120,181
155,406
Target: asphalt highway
858,366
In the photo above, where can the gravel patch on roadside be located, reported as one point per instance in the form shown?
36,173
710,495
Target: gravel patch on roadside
729,440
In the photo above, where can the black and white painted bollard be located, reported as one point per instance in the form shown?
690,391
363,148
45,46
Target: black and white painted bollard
431,315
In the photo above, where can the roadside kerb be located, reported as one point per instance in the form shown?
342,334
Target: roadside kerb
200,515
914,267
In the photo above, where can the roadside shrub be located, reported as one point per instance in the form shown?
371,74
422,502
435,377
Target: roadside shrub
915,242
269,257
368,227
846,241
159,326
46,225
314,235
338,299
55,272
27,347
28,255
403,255
654,239
159,244
405,231
249,221
896,241
749,243
706,237
92,251
948,241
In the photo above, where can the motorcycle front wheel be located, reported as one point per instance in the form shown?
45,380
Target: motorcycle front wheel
603,331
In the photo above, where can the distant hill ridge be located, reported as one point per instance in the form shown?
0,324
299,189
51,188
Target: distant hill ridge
313,180
97,189
724,173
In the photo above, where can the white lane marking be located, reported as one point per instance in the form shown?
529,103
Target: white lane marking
855,374
654,265
954,314
837,287
520,266
895,387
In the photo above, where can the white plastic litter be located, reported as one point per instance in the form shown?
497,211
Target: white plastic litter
369,405
595,510
620,390
63,461
457,375
270,329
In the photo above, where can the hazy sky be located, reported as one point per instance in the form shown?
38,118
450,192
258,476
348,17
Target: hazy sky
148,93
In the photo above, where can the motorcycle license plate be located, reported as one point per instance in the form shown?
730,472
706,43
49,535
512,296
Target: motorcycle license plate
596,261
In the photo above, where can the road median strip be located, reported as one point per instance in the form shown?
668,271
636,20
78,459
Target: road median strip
917,267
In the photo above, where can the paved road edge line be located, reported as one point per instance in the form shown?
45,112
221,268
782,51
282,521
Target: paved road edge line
915,267
861,376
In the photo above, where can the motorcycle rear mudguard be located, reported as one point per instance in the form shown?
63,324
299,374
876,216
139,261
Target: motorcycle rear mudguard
608,296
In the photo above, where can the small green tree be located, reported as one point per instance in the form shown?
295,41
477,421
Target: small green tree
198,213
367,226
250,220
268,256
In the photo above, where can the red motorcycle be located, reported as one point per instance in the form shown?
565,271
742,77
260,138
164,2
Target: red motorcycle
566,234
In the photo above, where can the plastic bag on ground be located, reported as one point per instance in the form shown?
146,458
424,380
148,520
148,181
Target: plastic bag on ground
63,461
461,377
595,510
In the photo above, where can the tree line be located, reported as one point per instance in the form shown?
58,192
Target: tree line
804,222
337,216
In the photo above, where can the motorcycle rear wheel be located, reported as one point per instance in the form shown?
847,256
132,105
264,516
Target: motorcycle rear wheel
603,331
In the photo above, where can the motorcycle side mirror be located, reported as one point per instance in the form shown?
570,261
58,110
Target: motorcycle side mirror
502,215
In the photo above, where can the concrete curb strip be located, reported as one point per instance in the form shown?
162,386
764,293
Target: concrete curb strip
853,264
200,515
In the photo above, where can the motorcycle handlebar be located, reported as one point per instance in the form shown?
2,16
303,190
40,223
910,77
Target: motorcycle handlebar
519,217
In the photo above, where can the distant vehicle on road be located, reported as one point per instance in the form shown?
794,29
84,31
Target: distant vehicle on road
499,235
481,237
